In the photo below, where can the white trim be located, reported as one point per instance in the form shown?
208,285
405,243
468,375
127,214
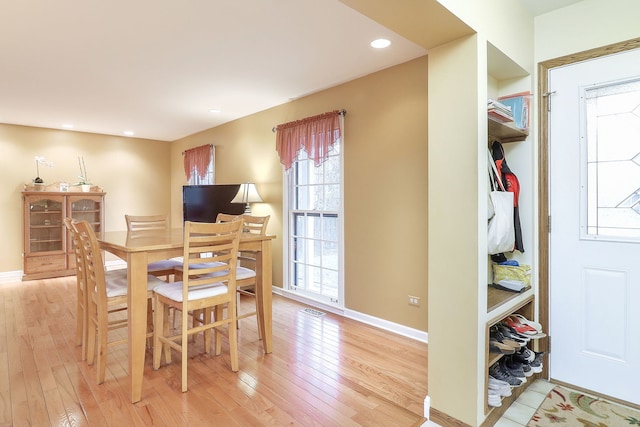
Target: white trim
355,315
11,276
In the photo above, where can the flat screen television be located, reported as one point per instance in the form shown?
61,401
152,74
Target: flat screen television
203,203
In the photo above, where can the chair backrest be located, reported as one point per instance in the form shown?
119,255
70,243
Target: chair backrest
223,217
146,222
218,242
255,224
77,250
94,267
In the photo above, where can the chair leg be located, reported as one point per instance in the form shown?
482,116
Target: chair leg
233,340
150,327
207,332
217,336
102,353
158,329
184,349
237,309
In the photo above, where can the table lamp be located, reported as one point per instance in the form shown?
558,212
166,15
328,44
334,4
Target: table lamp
247,193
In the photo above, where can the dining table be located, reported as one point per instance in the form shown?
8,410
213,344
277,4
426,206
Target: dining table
138,248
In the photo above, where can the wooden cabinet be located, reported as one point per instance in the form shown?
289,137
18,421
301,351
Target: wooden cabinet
47,246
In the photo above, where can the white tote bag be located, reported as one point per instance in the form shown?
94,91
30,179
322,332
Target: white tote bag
501,235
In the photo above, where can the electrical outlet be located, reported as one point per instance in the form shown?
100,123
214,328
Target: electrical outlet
414,300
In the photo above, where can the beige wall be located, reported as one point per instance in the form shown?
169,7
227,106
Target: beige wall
133,173
585,25
385,165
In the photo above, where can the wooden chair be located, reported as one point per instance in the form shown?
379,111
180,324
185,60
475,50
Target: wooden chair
142,223
81,291
209,289
106,297
81,294
247,267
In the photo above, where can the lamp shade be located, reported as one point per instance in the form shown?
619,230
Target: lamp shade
247,193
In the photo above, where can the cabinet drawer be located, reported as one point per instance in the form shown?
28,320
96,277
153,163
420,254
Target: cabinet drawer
40,264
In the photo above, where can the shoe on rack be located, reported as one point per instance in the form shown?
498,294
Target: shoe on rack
496,346
524,328
502,387
535,325
536,365
513,369
511,334
496,372
493,399
514,363
495,333
524,355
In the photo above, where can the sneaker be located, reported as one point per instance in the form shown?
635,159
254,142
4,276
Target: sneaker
536,365
496,372
502,387
524,355
518,361
494,399
513,369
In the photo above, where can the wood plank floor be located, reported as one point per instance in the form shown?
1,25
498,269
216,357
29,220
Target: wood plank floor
324,371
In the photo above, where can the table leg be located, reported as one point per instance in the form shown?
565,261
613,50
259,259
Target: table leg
137,300
263,294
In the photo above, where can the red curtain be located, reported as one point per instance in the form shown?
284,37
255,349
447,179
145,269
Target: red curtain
316,135
198,158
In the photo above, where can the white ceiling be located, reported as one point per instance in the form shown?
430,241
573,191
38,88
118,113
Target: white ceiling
157,67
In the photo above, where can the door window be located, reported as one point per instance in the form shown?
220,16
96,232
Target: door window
612,151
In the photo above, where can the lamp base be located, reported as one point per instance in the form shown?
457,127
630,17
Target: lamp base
247,209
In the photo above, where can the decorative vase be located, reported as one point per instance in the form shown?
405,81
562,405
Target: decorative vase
85,187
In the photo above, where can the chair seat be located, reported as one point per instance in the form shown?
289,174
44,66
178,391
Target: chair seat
163,265
173,291
241,272
116,281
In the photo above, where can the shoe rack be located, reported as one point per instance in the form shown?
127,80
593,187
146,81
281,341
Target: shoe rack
526,308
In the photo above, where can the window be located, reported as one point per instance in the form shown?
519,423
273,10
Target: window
611,177
209,178
315,227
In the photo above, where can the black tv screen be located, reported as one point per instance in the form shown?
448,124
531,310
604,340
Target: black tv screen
203,203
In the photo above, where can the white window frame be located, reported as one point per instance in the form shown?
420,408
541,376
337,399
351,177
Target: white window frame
287,199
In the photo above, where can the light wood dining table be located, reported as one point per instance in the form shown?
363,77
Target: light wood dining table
138,248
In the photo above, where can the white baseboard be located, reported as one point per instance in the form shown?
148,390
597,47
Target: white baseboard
356,315
11,276
427,406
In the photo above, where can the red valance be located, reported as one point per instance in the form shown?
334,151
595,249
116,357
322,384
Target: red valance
198,158
316,135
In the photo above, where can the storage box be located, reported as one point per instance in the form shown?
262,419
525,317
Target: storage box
521,273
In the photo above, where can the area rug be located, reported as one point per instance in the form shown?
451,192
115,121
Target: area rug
564,407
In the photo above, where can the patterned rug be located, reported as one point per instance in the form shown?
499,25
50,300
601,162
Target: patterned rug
563,407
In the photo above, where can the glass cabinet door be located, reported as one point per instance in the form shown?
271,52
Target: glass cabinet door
45,225
87,208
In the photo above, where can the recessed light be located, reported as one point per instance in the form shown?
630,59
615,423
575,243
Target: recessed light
380,43
215,110
67,126
128,133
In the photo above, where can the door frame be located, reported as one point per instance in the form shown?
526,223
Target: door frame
543,172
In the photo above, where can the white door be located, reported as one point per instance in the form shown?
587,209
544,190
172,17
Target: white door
594,172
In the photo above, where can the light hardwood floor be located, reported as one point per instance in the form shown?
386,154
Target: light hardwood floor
324,371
